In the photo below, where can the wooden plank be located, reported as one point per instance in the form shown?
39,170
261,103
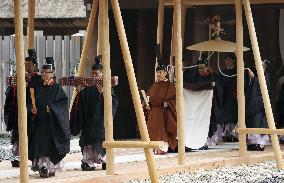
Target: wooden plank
221,2
49,46
260,131
58,56
41,50
133,144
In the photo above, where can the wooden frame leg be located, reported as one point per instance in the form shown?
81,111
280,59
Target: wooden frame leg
240,77
21,91
134,89
86,46
179,83
262,83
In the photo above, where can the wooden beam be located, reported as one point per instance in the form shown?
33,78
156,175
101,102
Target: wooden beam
134,90
262,83
21,91
179,82
240,76
260,131
221,2
86,47
105,51
160,30
133,144
31,23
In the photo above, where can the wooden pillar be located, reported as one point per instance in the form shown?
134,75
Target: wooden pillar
173,43
99,49
31,14
105,50
86,46
263,87
240,76
179,82
134,89
160,30
21,91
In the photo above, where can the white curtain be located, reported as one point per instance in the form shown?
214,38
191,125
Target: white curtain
197,112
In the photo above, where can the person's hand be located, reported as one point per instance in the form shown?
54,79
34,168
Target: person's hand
100,88
148,108
165,105
250,73
78,88
34,110
213,84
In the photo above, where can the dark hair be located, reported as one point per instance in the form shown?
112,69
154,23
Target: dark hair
98,65
161,67
231,56
203,61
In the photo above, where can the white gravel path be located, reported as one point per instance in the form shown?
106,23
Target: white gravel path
256,173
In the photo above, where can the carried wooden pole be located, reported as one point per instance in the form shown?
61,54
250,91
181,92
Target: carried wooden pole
31,14
21,91
263,87
134,89
240,77
160,30
105,48
86,46
179,82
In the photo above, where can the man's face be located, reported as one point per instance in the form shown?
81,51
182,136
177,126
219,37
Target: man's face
29,66
203,70
161,75
229,62
47,75
97,73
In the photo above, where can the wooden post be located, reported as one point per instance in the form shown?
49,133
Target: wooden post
173,42
31,7
263,87
21,91
105,48
134,89
133,144
240,77
160,29
86,46
99,46
179,82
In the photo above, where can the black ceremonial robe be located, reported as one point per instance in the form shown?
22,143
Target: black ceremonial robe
52,132
87,117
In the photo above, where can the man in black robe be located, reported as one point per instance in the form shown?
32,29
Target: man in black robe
198,79
228,99
11,104
51,138
255,113
87,117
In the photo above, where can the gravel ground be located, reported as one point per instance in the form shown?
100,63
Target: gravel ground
256,173
5,147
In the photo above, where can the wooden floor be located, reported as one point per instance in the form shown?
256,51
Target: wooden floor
223,155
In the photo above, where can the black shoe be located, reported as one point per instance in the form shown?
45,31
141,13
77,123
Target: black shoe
170,150
255,147
86,167
205,147
44,172
104,166
188,149
35,168
15,163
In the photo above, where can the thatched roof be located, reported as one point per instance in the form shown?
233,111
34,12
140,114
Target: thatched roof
47,9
